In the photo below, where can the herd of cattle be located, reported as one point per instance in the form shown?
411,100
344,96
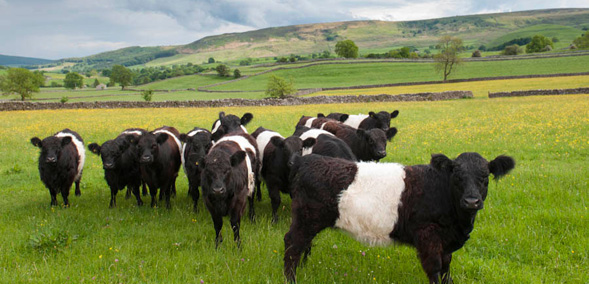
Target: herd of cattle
329,166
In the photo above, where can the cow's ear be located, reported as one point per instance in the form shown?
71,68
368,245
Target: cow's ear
246,118
309,142
161,138
237,158
501,166
36,142
94,148
361,133
131,139
183,137
221,114
66,140
277,141
371,114
320,115
391,133
394,114
344,117
441,162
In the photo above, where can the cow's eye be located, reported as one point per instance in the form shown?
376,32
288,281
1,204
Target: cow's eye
153,146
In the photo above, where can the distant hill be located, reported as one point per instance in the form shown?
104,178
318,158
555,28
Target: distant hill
370,36
6,60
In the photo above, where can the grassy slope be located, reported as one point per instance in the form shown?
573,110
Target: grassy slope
565,34
532,230
185,82
338,75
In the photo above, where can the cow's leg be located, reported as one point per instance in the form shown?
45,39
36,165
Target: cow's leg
65,192
53,194
135,189
144,188
128,193
429,251
78,192
274,194
153,193
173,187
446,259
252,211
235,224
259,188
113,197
309,217
218,223
167,189
193,191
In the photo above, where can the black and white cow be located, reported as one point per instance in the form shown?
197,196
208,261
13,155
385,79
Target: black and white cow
321,142
61,163
367,145
228,179
314,122
372,120
197,143
121,163
227,124
431,207
159,161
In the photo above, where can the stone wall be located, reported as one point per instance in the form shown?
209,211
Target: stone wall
17,105
540,93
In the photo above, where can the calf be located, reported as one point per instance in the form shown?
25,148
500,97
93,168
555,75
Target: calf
159,161
367,145
321,142
431,207
121,164
380,120
197,143
228,179
61,163
227,124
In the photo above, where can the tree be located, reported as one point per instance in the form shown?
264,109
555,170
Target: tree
538,44
223,70
236,73
211,60
582,41
476,53
278,87
122,75
21,81
96,83
512,50
73,80
346,48
447,60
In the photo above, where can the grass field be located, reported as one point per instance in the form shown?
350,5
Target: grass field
185,82
338,75
565,34
533,228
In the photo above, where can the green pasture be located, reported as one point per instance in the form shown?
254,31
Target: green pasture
185,82
533,228
341,75
565,34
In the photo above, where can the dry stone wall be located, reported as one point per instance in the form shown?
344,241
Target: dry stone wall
540,93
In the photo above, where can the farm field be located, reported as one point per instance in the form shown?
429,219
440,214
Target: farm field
533,228
342,75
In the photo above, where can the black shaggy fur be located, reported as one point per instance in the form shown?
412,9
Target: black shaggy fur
196,148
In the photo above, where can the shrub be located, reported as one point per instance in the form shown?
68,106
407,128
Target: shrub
147,95
476,53
278,87
64,99
346,48
55,85
223,70
236,73
512,50
538,44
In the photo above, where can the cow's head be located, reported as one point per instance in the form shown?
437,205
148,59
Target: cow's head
51,147
148,146
199,145
230,123
217,167
286,147
383,118
469,176
111,151
375,141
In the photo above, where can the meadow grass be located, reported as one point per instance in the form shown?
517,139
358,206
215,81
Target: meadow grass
480,89
185,82
342,75
533,228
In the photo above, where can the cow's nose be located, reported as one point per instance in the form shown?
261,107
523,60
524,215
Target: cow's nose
382,153
472,203
109,165
51,159
146,159
219,190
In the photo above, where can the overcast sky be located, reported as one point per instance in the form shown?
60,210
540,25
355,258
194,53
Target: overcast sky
55,29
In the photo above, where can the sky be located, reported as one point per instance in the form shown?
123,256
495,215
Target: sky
55,29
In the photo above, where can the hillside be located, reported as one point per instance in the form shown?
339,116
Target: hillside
6,60
370,36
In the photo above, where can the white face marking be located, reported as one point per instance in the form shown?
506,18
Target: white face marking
134,132
263,139
369,207
244,145
309,122
193,132
313,133
81,151
216,126
355,120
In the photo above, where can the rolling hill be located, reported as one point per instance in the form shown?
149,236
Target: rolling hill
15,61
370,36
